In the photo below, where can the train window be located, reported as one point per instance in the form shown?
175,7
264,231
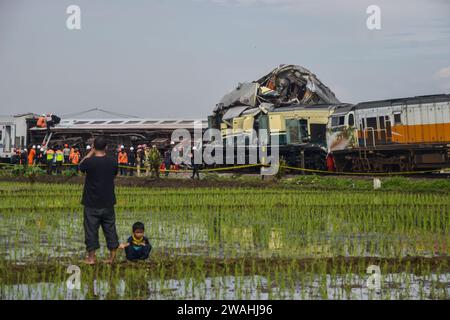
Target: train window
1,136
334,121
341,120
397,118
351,120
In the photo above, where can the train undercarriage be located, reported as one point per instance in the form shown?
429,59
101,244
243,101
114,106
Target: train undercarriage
393,158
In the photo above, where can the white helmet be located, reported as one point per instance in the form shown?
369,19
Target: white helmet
131,148
25,149
39,146
122,146
172,142
194,148
34,147
88,147
42,149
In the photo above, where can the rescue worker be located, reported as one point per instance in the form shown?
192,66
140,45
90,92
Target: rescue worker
195,162
330,163
167,162
88,148
37,156
139,159
24,157
154,161
42,159
50,155
122,159
59,155
147,160
66,152
31,155
131,160
41,123
75,159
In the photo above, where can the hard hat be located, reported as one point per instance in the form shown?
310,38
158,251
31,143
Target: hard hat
88,147
25,149
194,148
34,147
43,114
39,146
42,149
121,147
131,148
154,146
172,142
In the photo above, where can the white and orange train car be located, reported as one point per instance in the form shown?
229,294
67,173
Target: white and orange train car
391,135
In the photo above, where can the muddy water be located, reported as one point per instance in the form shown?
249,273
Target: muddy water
352,286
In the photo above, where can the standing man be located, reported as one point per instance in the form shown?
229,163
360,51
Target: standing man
99,199
139,158
196,157
147,160
75,159
66,152
50,154
123,161
24,157
167,162
131,160
59,160
31,155
155,161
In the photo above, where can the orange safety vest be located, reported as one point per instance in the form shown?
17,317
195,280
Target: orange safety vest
31,156
41,122
75,157
123,158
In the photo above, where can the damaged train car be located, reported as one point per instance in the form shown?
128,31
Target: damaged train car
392,135
291,103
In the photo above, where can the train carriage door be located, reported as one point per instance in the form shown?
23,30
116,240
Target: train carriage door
387,121
371,130
381,130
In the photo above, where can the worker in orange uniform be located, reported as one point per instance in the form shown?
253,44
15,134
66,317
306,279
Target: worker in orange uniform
41,123
331,166
31,155
75,159
123,161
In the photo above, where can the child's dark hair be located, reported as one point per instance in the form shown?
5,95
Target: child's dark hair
138,226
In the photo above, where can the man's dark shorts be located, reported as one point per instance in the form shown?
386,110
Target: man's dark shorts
93,219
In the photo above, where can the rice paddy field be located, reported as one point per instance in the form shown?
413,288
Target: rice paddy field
286,242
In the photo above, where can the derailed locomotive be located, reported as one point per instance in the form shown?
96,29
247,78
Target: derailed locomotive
289,106
311,125
405,134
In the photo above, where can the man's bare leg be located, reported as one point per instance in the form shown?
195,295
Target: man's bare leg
112,256
90,259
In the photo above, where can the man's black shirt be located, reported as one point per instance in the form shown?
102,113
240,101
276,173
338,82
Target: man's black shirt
99,183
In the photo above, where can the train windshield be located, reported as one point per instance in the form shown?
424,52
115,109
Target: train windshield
337,121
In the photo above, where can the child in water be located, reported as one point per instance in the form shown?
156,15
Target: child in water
137,247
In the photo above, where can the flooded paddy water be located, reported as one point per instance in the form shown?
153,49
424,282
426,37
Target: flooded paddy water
222,243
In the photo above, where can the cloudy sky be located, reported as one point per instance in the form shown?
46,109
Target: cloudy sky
177,58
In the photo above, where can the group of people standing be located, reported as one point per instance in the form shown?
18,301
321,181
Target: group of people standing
145,158
52,157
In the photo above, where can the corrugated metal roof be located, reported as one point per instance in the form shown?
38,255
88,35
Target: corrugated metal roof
127,123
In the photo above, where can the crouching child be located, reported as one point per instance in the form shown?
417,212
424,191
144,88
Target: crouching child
137,247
